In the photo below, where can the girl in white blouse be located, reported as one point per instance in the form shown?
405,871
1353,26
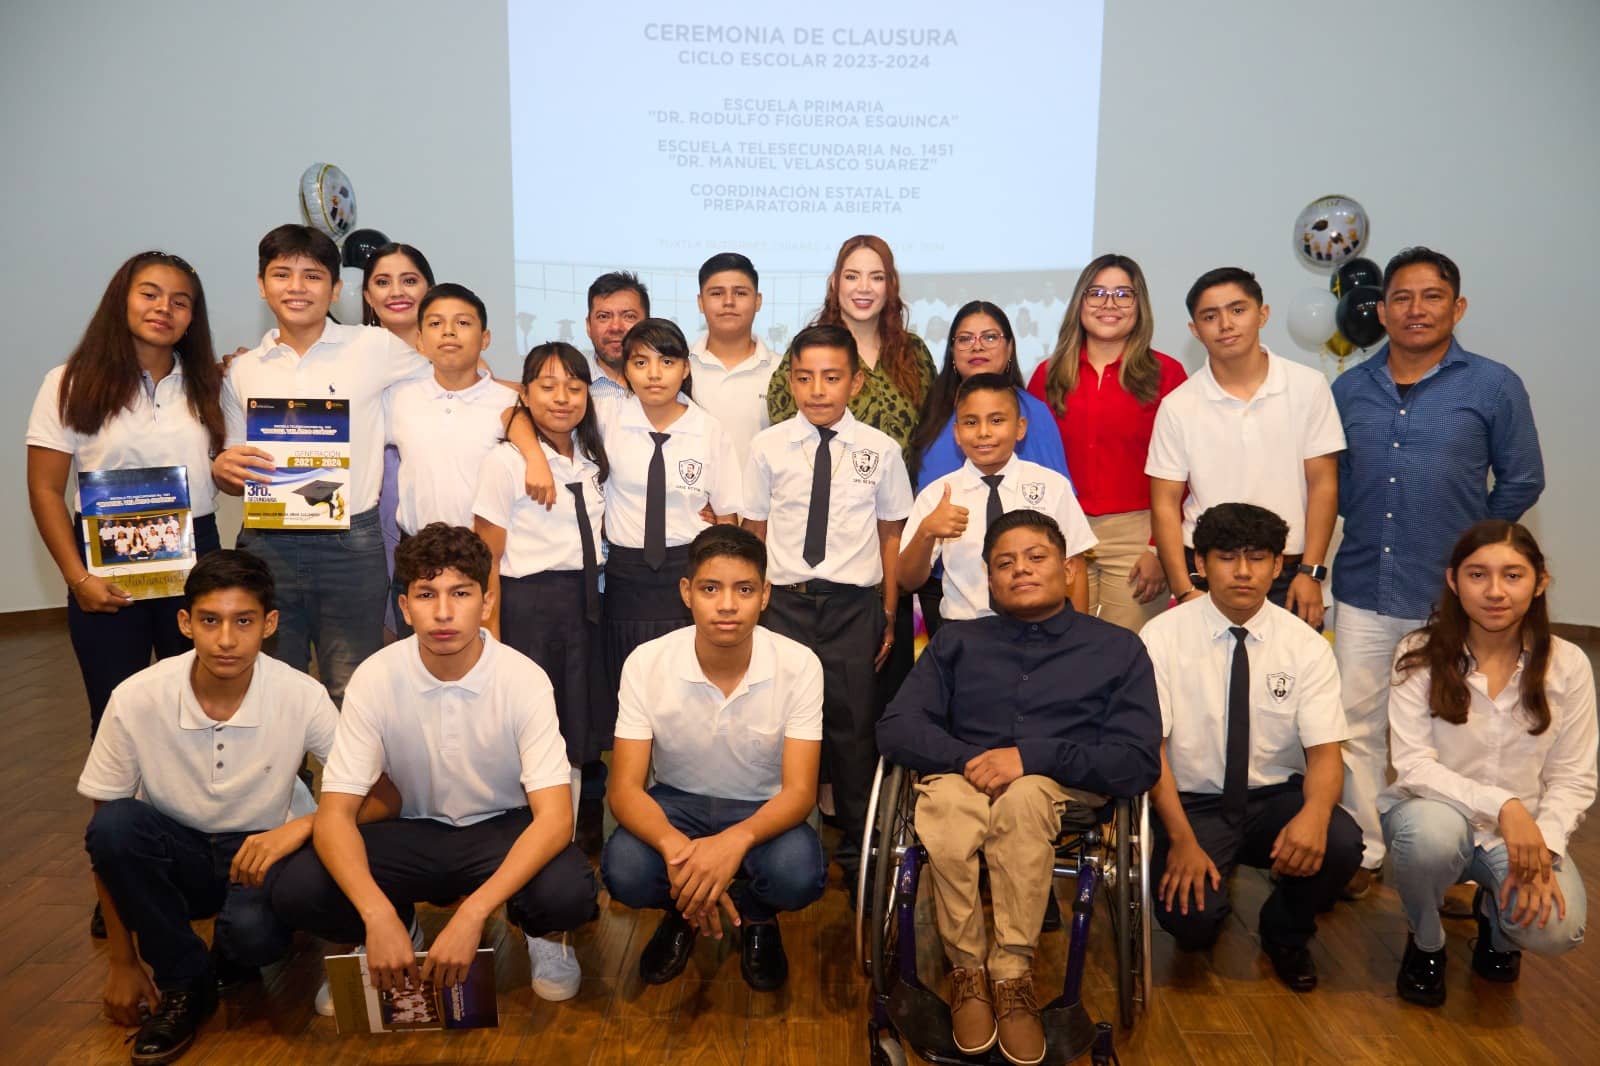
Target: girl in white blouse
1493,739
140,390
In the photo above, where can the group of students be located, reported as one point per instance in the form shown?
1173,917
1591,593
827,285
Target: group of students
700,557
145,539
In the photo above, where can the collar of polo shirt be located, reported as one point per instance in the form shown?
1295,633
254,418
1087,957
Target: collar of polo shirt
1277,380
476,680
332,333
763,665
192,716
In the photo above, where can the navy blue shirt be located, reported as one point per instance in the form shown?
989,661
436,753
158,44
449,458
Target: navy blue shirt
1075,695
1415,473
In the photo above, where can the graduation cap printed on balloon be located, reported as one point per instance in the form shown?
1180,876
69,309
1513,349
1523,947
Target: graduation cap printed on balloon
1330,230
328,200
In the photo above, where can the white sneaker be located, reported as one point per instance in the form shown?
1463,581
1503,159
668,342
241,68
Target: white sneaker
556,975
324,1003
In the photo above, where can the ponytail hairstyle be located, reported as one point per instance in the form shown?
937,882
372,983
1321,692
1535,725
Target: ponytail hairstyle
590,443
1140,372
894,351
102,373
1442,651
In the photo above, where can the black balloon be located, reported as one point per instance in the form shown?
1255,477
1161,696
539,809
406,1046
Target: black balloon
359,246
1355,272
1357,315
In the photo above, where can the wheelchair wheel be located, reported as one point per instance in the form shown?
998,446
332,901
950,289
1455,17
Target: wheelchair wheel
1127,889
1141,905
887,836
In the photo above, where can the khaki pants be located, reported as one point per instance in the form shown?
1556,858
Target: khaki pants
1123,539
1017,833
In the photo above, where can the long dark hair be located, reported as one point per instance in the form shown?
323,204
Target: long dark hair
1442,651
588,428
662,336
102,374
1140,372
940,403
369,316
894,351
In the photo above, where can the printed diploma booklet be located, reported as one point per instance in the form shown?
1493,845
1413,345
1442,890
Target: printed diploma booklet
360,1008
309,441
137,531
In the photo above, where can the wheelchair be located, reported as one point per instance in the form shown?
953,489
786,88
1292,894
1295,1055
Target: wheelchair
1105,848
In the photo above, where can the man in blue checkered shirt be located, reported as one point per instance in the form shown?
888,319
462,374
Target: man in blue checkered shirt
1426,422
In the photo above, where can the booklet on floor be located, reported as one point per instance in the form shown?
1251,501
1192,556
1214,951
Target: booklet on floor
360,1008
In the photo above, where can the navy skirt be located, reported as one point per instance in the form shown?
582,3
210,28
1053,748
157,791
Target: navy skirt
541,616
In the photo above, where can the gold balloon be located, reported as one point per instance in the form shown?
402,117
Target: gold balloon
1339,346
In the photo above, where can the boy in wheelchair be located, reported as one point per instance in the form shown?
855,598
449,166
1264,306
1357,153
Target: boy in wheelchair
1009,720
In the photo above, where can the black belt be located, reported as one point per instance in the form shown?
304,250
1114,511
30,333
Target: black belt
818,587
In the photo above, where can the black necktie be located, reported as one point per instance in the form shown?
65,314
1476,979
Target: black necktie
996,508
655,505
591,564
816,546
1236,777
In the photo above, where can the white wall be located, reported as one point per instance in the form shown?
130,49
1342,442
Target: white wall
185,125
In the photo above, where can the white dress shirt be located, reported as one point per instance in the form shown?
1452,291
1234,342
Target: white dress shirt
1294,692
701,465
869,484
540,540
708,744
737,397
356,363
1246,451
157,429
1024,484
238,776
1479,766
442,436
459,751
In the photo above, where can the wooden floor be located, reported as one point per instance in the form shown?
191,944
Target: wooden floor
1222,1009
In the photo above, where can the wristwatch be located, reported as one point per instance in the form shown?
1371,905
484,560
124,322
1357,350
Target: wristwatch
1315,573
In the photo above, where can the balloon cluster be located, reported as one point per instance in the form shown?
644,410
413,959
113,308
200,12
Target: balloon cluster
1332,232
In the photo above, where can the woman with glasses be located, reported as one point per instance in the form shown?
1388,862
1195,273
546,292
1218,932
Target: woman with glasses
1103,384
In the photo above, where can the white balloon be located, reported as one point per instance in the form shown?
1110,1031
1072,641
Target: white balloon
1311,318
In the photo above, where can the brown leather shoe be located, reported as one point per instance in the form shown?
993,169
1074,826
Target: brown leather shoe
971,1012
1360,885
1020,1031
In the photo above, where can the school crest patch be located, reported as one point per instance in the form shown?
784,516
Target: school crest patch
865,461
1033,492
1280,685
690,470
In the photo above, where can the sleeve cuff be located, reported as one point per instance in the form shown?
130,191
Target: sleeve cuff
346,788
632,732
1555,835
1490,800
1037,757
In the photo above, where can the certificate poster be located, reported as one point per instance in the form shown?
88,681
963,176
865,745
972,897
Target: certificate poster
137,530
309,441
360,1008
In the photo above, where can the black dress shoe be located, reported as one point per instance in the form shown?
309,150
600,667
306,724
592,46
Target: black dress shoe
1052,915
1294,966
1502,967
97,923
169,1032
668,951
1421,978
761,959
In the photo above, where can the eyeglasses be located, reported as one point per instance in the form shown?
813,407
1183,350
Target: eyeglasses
965,342
1099,297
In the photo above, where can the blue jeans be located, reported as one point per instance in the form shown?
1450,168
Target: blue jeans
1430,844
332,588
161,875
785,873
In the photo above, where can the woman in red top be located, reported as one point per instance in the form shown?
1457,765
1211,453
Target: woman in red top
1104,382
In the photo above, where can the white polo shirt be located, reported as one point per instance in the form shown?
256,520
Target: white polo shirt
869,485
1294,692
709,744
736,398
155,743
701,465
1236,451
157,429
1024,484
459,751
540,540
443,437
353,362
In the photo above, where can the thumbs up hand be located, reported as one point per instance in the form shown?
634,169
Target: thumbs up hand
946,521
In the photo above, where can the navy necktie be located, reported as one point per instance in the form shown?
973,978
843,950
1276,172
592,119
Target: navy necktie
655,505
591,562
996,508
1236,776
816,546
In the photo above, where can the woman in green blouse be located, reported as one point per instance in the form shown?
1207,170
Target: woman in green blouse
864,296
